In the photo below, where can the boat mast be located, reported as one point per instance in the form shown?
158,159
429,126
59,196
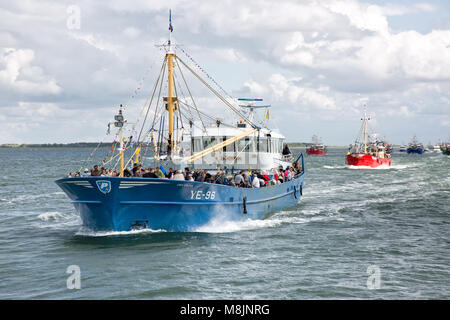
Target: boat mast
119,124
170,103
170,106
121,153
365,130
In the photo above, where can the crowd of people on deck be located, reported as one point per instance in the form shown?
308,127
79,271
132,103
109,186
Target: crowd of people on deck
243,178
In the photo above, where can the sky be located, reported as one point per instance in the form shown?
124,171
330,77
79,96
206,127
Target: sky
66,66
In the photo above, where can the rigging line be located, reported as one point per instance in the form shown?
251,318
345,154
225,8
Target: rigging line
129,160
90,156
161,133
181,90
153,94
176,94
207,116
359,136
118,159
198,66
140,84
138,142
217,94
214,155
193,101
159,93
184,97
92,153
238,154
111,159
193,124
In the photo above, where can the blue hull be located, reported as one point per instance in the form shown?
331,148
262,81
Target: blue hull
123,204
416,150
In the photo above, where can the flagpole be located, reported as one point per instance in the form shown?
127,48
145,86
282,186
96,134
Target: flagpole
170,29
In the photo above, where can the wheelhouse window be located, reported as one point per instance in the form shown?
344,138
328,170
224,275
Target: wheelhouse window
242,146
208,142
230,147
263,146
197,144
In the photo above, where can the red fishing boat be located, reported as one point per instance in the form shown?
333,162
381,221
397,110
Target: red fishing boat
367,153
316,148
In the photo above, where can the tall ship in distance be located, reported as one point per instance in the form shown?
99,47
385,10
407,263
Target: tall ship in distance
182,165
316,148
368,151
415,147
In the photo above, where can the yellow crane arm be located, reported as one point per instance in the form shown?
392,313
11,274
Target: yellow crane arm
218,146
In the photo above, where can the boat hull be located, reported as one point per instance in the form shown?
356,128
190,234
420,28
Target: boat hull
314,151
366,160
124,204
415,150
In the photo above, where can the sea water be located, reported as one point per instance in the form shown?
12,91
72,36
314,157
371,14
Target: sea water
356,234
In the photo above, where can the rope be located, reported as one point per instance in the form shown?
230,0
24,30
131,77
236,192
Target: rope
153,94
206,74
216,93
190,94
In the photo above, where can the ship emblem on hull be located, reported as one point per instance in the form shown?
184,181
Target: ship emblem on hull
104,186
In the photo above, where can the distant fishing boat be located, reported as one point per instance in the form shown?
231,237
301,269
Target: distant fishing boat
445,148
316,148
366,153
402,148
436,148
415,147
182,135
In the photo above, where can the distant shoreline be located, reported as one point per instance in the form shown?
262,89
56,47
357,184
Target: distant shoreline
55,145
294,145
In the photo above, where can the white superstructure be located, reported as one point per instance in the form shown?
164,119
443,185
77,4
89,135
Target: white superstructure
260,150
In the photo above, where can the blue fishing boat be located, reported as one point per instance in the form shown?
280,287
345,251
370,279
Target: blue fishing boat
179,137
415,147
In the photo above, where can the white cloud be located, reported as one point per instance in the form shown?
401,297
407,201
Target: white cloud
97,42
229,55
18,73
316,59
280,88
427,7
132,32
361,15
255,87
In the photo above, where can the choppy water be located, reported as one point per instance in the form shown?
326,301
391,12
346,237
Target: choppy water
349,222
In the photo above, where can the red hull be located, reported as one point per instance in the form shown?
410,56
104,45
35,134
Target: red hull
314,151
366,160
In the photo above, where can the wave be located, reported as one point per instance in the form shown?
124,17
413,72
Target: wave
56,220
383,167
223,226
85,232
52,216
220,225
28,197
334,167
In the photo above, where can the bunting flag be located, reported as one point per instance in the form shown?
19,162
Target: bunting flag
267,114
138,150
